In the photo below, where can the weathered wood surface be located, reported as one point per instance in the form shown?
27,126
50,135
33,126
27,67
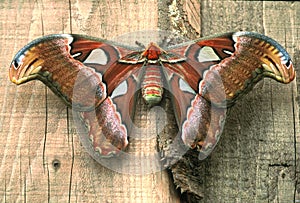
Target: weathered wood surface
257,159
41,157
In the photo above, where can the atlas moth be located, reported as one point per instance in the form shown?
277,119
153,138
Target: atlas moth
100,78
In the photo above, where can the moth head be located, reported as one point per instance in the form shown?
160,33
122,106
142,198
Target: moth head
152,52
25,66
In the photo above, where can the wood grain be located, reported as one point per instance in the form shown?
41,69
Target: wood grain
42,159
257,158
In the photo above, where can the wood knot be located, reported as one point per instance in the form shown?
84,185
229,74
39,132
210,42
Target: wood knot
56,164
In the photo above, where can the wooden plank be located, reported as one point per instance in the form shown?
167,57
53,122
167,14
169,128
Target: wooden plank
181,17
257,158
285,154
41,157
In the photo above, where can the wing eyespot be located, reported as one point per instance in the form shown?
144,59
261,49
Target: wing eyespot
16,64
288,63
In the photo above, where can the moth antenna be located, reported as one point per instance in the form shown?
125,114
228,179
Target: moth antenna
141,45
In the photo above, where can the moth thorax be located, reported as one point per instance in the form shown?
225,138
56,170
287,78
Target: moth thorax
152,85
